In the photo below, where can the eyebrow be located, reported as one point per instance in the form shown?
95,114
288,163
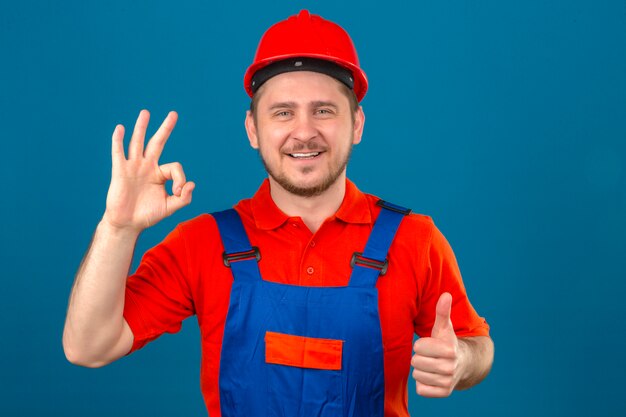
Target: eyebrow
316,104
293,104
283,105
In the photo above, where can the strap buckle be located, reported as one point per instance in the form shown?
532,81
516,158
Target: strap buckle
358,259
393,207
241,256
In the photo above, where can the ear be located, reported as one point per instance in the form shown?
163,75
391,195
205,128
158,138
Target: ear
251,130
359,122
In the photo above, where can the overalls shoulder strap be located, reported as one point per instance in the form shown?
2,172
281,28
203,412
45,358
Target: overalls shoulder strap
239,254
372,262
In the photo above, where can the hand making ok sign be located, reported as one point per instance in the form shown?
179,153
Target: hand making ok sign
137,197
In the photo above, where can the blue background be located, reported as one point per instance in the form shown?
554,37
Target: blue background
505,121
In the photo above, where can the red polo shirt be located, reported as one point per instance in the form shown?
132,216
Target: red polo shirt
185,275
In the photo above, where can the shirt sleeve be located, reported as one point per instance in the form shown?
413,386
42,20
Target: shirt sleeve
158,297
443,275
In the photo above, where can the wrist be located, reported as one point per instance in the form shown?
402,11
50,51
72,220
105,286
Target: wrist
464,360
111,229
475,360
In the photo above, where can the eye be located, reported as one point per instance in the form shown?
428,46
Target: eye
324,111
282,113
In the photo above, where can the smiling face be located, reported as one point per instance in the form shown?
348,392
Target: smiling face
304,129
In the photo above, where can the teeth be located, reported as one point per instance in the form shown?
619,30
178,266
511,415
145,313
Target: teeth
305,155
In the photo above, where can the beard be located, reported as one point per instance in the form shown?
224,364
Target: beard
313,190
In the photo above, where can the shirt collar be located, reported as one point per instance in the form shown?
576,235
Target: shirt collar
355,207
267,216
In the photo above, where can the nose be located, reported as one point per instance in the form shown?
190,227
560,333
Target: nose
304,128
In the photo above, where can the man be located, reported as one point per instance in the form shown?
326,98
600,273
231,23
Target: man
346,278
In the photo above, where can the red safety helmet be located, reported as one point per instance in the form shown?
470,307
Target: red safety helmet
308,36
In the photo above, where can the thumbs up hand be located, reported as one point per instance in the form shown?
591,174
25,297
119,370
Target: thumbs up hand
437,359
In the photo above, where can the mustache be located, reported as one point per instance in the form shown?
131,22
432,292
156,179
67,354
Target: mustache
310,146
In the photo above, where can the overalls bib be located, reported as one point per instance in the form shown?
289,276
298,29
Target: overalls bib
296,351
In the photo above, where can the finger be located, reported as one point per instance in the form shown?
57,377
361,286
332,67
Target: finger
440,366
174,171
156,144
443,324
435,348
431,392
135,148
175,203
117,144
434,380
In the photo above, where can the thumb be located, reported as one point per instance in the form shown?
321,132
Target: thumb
443,324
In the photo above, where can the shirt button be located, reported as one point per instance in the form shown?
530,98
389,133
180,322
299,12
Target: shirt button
313,244
310,270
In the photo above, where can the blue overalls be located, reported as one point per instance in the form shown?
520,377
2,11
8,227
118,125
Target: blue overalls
295,351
